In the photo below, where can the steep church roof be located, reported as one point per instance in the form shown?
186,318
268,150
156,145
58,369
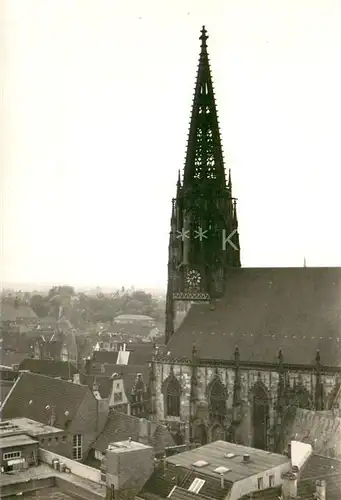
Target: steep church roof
297,310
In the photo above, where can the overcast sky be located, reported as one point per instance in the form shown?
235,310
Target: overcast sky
97,104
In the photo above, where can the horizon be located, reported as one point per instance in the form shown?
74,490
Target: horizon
91,166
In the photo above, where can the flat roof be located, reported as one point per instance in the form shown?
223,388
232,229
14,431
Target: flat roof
126,446
229,456
53,493
18,440
32,427
45,471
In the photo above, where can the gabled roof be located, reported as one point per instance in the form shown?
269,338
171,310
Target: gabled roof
265,310
10,312
48,367
32,393
109,357
320,429
104,383
121,427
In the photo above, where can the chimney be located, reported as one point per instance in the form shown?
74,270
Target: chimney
88,366
124,346
289,450
289,486
222,481
320,489
246,459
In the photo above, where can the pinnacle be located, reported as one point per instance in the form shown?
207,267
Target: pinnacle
203,38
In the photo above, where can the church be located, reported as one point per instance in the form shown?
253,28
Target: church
255,341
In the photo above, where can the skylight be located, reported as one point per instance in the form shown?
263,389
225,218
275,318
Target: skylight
229,455
200,463
221,470
196,485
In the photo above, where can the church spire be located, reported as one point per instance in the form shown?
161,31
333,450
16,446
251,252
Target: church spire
204,159
204,240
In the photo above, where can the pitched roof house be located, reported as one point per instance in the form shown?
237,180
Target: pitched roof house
56,402
121,427
49,367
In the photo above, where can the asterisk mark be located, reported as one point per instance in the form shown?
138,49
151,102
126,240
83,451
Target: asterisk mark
200,234
183,234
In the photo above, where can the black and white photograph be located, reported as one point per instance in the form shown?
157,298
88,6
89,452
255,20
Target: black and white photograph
170,259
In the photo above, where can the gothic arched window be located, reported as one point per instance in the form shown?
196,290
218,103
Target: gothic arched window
217,398
172,398
260,415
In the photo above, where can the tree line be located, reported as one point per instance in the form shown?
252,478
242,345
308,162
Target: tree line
80,307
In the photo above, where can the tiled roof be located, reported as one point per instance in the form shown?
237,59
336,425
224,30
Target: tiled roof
31,394
139,354
182,494
9,312
319,467
162,481
104,383
264,310
48,367
161,439
320,429
109,357
121,427
316,467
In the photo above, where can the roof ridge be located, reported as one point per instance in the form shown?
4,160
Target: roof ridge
28,372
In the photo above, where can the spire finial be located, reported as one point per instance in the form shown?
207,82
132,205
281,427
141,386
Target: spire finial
203,38
305,262
230,179
179,178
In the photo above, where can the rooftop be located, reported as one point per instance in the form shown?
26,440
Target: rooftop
44,471
264,310
25,425
207,459
52,493
17,440
37,397
126,446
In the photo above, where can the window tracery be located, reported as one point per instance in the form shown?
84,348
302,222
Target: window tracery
172,393
217,399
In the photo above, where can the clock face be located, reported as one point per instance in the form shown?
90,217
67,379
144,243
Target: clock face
193,279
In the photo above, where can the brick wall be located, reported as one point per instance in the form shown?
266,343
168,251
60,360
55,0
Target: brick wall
128,471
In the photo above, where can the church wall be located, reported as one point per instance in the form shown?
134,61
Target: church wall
249,377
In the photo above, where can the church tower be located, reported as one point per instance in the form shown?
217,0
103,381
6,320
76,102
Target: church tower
204,240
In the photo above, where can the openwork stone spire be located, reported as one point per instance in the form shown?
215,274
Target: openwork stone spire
204,158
